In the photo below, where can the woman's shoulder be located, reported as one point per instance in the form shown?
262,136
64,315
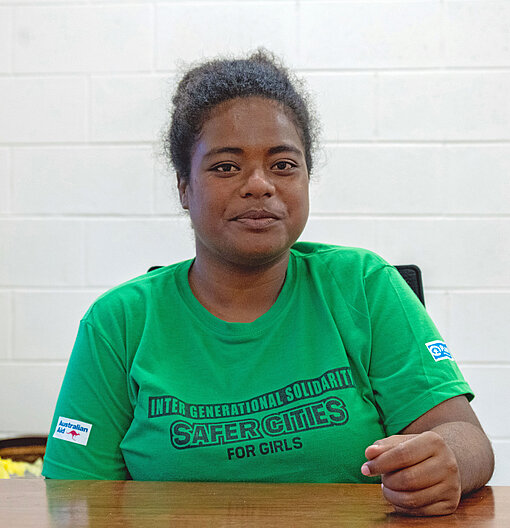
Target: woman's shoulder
136,293
340,258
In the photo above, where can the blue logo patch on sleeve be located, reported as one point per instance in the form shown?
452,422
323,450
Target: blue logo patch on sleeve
439,350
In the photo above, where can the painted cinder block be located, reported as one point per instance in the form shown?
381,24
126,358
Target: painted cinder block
5,39
346,104
45,323
492,390
70,38
5,325
479,325
477,179
476,33
413,179
353,232
5,181
461,105
373,35
28,393
46,109
380,179
82,180
131,108
119,250
166,196
502,468
452,252
474,325
437,306
42,252
351,204
191,31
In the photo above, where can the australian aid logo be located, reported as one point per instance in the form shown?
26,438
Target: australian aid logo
72,430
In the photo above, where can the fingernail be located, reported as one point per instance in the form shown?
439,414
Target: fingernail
365,470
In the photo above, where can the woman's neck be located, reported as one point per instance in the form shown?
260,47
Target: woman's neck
237,294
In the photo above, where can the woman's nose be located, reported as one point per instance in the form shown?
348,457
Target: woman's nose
258,183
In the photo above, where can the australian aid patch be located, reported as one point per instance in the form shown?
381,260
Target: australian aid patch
72,430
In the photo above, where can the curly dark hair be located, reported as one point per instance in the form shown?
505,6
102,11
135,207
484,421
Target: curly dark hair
203,87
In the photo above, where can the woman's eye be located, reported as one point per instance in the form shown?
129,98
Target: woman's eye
284,165
225,167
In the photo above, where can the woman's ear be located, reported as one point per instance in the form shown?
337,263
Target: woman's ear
182,186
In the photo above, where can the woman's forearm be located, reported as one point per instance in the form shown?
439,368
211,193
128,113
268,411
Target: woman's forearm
473,451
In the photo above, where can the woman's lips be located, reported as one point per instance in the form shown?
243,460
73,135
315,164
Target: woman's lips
257,218
257,223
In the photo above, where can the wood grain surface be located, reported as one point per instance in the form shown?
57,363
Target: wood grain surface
128,504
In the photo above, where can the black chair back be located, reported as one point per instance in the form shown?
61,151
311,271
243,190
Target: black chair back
412,275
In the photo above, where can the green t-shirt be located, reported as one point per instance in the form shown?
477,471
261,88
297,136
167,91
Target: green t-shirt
157,388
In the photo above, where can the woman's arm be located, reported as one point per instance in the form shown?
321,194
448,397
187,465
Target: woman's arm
436,459
94,393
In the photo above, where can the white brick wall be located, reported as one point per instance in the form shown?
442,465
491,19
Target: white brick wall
83,38
5,39
187,31
30,390
357,36
5,191
41,252
462,105
120,249
46,322
42,109
5,324
89,180
128,108
477,34
346,103
413,97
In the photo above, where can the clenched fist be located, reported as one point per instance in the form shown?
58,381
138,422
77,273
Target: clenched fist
419,473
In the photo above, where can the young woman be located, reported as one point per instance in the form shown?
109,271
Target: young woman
263,359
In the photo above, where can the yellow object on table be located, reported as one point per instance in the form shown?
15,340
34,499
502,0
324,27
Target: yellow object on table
9,468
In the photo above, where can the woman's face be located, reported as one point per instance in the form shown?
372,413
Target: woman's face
247,193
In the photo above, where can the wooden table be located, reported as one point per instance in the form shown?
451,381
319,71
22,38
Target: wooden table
126,504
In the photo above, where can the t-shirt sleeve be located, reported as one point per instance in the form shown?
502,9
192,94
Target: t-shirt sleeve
411,369
93,413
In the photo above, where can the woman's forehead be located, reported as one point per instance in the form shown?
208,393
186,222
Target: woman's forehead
252,121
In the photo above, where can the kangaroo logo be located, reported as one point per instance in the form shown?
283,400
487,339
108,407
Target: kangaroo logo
73,434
